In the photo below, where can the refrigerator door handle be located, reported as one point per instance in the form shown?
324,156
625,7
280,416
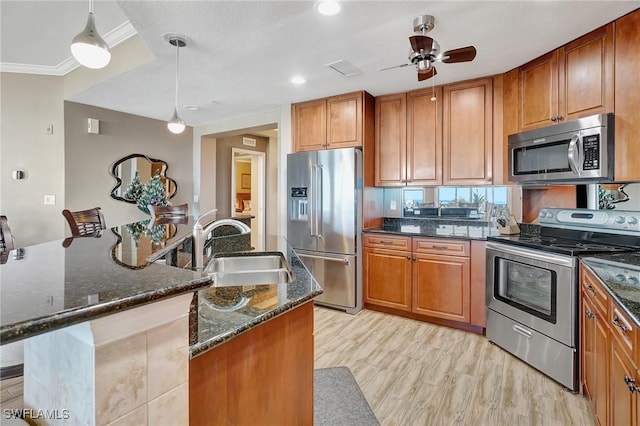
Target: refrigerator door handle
312,203
319,189
334,259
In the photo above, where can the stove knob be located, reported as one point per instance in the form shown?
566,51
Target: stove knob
634,281
543,213
621,278
632,220
619,219
550,215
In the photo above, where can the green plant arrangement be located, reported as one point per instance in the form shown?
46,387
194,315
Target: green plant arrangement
154,233
606,199
134,190
153,194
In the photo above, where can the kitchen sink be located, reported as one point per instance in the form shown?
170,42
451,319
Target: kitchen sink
248,269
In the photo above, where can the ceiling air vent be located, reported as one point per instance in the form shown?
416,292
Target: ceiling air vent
344,68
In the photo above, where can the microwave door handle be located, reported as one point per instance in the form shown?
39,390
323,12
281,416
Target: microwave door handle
574,154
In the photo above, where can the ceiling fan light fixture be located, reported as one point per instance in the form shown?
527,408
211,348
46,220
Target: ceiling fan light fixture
88,47
328,7
175,123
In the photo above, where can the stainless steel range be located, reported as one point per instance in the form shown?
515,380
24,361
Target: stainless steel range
532,284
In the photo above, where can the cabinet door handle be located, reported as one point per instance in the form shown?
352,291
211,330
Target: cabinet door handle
554,119
591,289
408,257
616,321
560,118
631,384
386,242
590,315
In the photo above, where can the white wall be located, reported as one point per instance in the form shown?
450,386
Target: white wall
29,104
89,158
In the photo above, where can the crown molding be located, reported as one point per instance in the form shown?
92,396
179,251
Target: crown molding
113,38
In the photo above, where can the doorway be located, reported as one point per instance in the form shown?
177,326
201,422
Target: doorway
248,177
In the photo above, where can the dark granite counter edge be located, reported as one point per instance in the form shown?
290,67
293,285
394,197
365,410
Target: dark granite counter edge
424,235
200,348
613,295
12,333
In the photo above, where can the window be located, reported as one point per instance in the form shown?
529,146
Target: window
455,194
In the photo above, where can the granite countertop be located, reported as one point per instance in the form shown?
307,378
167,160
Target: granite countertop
226,312
617,272
438,228
60,283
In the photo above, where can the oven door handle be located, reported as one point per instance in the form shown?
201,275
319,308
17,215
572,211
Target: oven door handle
523,331
554,259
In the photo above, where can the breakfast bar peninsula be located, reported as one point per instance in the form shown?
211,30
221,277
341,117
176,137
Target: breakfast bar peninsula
113,324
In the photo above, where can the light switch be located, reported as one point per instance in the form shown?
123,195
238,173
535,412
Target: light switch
93,126
50,200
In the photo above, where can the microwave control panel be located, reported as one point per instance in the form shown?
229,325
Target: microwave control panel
591,147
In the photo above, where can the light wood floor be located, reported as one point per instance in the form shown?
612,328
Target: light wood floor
418,374
415,373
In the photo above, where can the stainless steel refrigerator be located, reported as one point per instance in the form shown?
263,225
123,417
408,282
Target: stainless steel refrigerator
324,223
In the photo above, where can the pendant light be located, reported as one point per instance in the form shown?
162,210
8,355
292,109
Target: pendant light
175,124
88,47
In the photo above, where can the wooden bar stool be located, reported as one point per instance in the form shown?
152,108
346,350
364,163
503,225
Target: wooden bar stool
85,222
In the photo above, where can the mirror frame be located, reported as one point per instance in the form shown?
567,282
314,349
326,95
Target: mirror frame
163,174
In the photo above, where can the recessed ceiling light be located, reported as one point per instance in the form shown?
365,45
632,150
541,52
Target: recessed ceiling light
298,79
327,7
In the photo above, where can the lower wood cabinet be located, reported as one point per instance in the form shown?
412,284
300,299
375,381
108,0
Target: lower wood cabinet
429,278
262,376
388,275
609,354
441,278
595,359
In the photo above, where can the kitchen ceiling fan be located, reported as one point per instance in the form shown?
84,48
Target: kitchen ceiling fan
425,51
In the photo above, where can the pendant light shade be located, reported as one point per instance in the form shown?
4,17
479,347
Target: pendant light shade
175,123
88,47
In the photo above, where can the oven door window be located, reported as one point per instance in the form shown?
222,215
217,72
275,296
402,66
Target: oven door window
546,158
528,288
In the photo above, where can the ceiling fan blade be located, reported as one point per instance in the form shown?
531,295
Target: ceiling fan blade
421,42
395,66
426,75
464,54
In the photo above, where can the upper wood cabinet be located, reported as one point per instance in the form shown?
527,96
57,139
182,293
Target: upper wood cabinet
424,137
409,138
335,122
309,121
391,140
627,97
468,132
573,81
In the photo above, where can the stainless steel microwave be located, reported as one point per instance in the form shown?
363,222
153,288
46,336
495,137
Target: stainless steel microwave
577,150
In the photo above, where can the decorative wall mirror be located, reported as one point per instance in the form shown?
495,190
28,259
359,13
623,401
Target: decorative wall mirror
124,171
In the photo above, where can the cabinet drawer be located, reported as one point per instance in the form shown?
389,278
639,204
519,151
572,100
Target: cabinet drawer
447,247
623,328
391,242
592,287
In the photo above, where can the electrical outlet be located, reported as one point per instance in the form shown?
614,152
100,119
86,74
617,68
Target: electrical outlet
393,205
50,200
48,130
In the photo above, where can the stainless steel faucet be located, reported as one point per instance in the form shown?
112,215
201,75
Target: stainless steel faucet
200,233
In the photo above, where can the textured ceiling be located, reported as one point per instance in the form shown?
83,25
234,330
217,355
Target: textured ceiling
242,54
